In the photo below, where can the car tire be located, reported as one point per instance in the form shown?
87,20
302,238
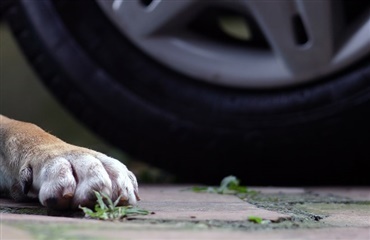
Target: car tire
314,133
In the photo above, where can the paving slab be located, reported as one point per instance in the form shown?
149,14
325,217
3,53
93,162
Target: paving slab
179,203
8,232
354,193
341,215
290,213
312,234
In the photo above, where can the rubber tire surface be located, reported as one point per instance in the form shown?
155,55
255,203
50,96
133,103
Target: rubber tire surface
308,135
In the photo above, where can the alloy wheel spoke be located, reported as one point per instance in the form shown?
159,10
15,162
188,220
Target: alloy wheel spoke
299,32
158,17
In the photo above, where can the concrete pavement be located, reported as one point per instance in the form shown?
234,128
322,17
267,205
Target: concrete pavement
179,213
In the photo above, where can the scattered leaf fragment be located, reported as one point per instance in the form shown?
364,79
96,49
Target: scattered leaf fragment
258,220
255,219
229,185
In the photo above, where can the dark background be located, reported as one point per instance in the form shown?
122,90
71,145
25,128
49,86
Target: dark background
23,97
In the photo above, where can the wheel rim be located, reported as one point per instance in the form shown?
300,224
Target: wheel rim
301,41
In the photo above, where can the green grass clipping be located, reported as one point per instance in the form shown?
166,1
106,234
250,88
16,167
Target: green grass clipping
106,209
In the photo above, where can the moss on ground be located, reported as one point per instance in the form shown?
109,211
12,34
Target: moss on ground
30,211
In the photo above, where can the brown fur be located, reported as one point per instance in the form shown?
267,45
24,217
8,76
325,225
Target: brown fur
36,164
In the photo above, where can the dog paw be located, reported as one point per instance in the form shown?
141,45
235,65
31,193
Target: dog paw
69,178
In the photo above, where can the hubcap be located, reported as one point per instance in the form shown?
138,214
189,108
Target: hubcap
248,44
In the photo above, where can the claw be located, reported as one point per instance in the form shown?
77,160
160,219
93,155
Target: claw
123,201
137,196
68,195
